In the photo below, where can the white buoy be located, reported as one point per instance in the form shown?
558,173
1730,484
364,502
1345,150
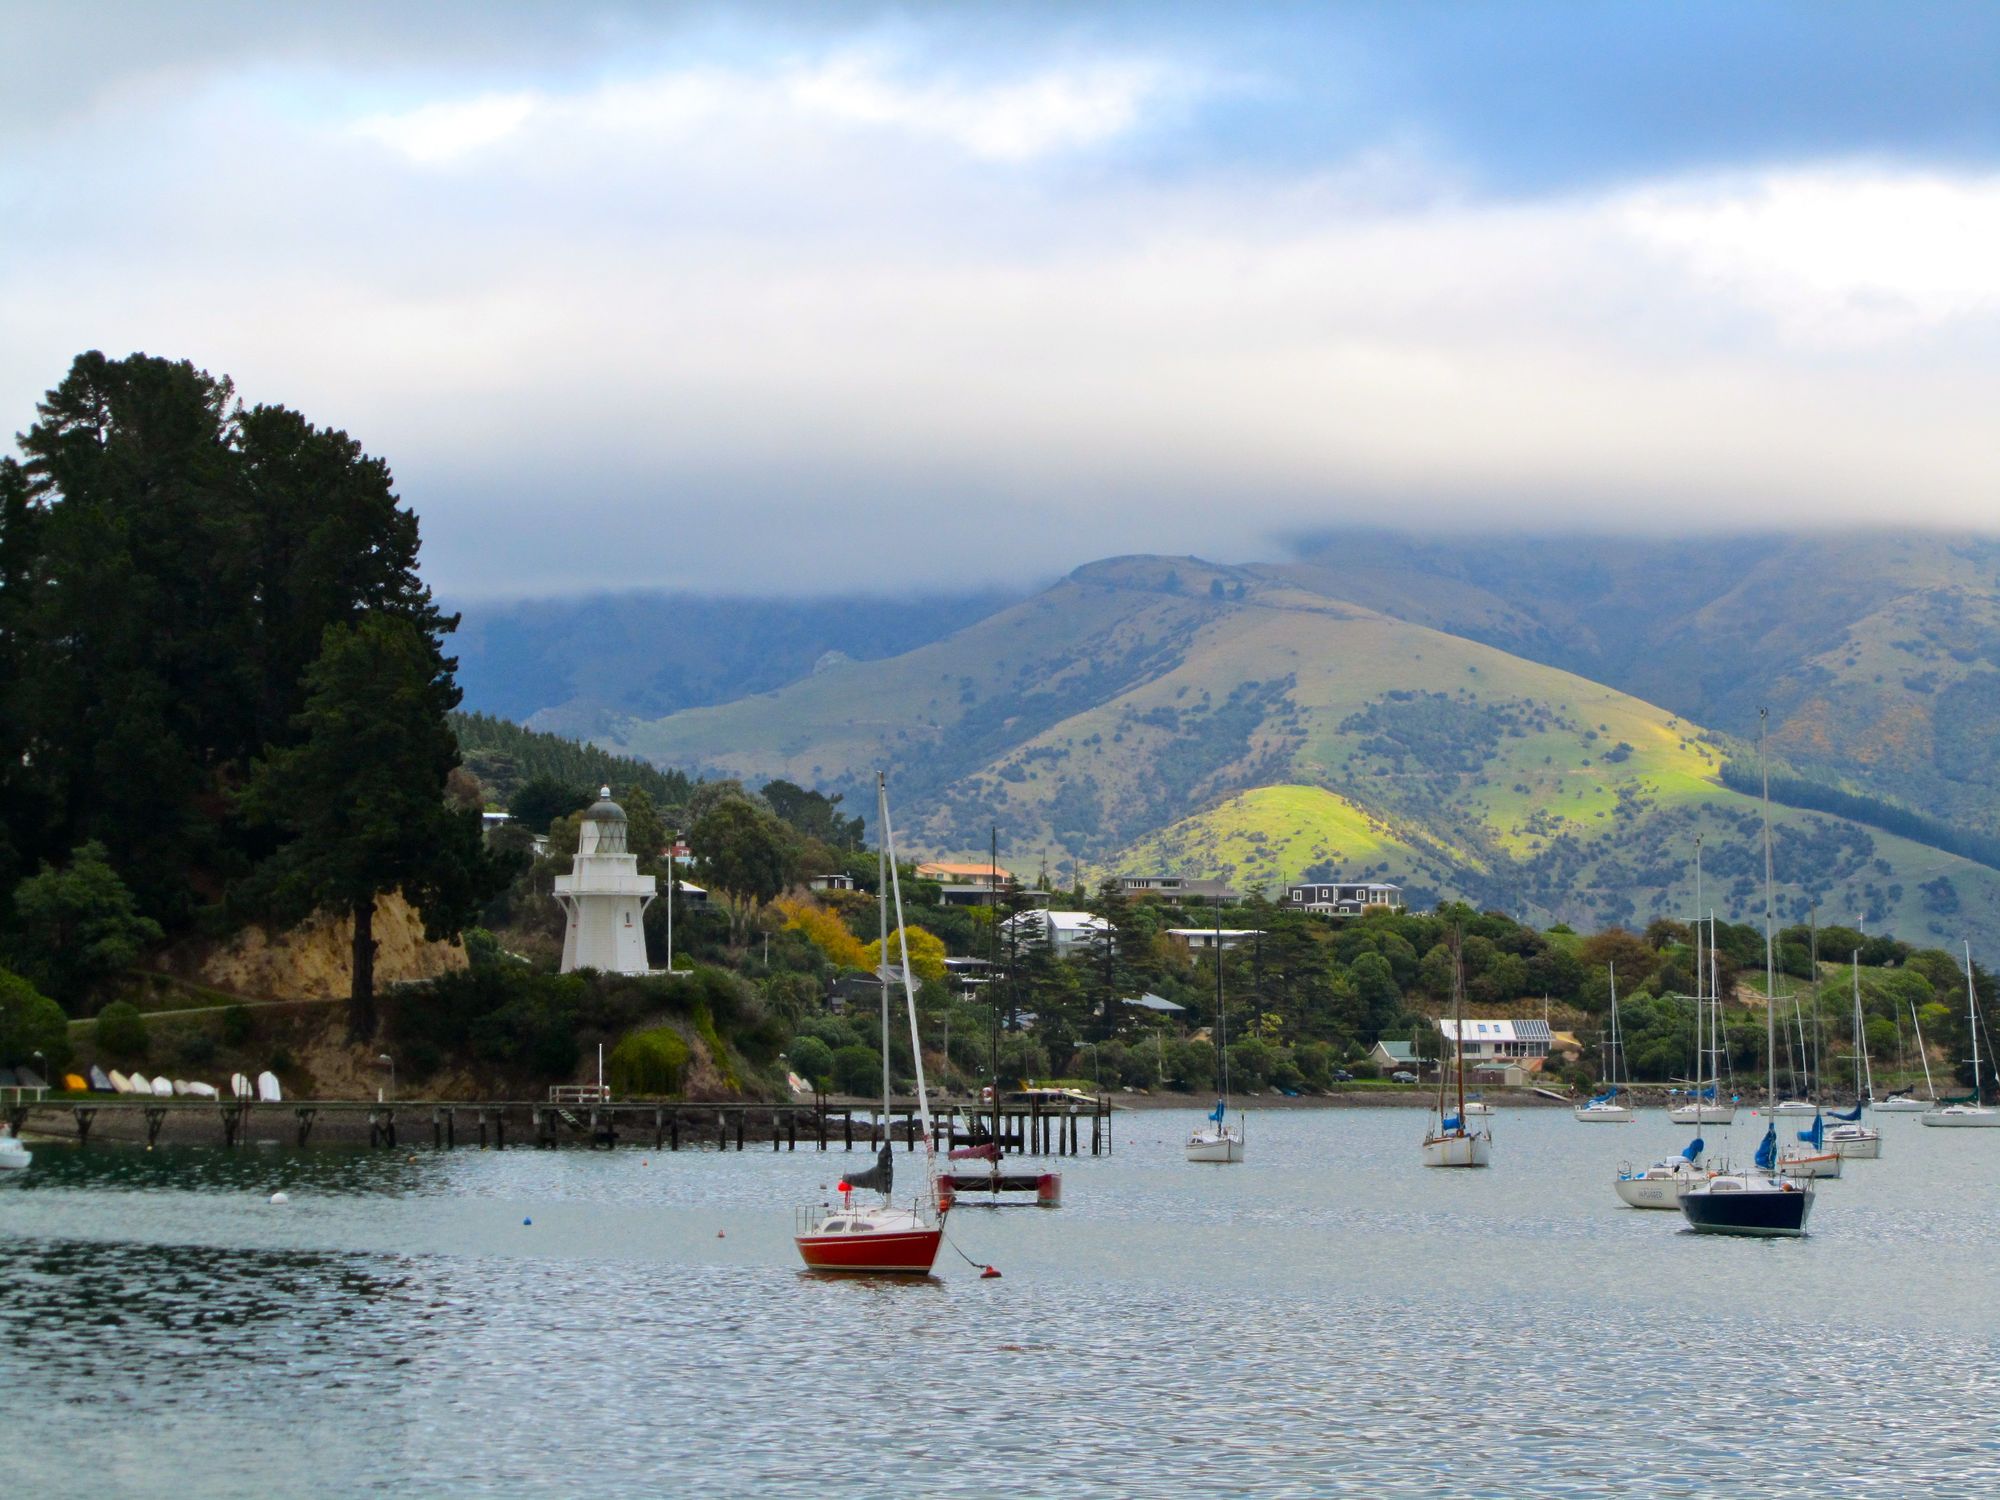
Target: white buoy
281,1197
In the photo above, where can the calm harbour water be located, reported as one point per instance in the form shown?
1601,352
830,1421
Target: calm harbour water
1327,1318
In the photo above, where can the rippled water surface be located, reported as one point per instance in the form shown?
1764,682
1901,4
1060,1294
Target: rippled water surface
1326,1319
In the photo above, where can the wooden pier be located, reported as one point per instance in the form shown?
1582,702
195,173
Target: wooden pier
1034,1129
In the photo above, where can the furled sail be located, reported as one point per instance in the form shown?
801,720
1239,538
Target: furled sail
880,1176
1694,1149
1850,1117
1767,1149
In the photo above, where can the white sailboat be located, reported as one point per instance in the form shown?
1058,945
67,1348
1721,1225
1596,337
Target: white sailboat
1705,1104
1662,1184
1854,1140
1451,1142
1605,1109
1902,1102
1215,1139
1968,1112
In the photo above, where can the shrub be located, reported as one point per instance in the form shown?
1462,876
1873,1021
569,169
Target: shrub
237,1025
812,1059
649,1062
80,925
1250,1065
31,1022
121,1032
824,930
857,1069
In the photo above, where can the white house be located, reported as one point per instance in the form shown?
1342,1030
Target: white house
1487,1040
1072,934
604,896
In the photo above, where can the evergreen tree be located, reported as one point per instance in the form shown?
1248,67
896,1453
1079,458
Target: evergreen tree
361,796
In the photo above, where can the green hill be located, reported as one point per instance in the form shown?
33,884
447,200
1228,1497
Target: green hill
1100,717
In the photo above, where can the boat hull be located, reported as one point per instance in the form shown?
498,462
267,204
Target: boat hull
1766,1213
1458,1150
14,1157
1609,1114
1812,1164
1220,1149
897,1253
1654,1192
1901,1106
1960,1117
1866,1147
1706,1114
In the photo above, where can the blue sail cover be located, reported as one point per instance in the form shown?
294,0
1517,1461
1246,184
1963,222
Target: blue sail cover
1767,1149
1694,1149
1850,1117
1604,1098
1451,1122
1708,1093
1816,1137
1216,1113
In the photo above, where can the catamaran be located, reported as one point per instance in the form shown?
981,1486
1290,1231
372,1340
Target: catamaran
1968,1111
1759,1203
882,1237
1451,1142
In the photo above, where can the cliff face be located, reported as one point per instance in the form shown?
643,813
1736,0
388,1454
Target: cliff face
311,961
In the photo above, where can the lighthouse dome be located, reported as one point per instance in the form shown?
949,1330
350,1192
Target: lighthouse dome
603,827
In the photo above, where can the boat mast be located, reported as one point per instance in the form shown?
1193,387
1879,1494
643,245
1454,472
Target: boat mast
1458,1023
1923,1052
1860,1036
882,868
1770,957
909,985
1699,976
1221,1035
1972,1025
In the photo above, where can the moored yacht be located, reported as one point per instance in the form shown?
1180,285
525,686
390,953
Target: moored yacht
1661,1184
14,1156
1969,1112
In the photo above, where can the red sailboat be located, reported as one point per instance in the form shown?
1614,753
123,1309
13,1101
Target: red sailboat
882,1237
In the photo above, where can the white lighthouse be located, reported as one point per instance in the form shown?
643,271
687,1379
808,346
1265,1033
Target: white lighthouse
605,896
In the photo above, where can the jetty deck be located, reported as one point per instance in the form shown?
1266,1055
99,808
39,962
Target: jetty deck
1032,1129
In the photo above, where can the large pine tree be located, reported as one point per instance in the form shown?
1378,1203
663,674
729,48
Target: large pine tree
360,796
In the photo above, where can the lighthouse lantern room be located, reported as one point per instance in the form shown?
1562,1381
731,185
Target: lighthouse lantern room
604,896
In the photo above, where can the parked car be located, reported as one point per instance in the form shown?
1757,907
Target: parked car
1402,1075
1341,1075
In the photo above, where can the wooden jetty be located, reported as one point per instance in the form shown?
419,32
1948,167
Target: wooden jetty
1031,1129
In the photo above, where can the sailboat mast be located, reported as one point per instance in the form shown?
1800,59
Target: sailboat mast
1972,1025
909,986
882,912
1699,975
1923,1052
1770,956
1458,1023
1860,1036
1221,1030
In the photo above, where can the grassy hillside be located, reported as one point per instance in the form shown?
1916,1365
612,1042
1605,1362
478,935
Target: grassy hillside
1121,715
1878,654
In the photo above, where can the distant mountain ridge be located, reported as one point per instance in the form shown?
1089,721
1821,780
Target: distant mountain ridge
573,665
1145,709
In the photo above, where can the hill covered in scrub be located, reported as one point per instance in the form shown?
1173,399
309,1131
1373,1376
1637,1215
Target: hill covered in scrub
1120,717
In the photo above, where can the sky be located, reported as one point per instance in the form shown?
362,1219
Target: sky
841,298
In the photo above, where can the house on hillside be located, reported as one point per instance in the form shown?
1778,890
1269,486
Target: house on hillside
1490,1040
1178,888
1393,1057
1157,1004
967,884
1205,939
832,882
1349,899
1072,934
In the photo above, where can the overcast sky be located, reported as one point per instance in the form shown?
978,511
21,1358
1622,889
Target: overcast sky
850,297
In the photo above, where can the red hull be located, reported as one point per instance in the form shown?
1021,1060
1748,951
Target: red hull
910,1254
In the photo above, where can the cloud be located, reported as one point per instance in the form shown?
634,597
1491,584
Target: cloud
854,313
1014,120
